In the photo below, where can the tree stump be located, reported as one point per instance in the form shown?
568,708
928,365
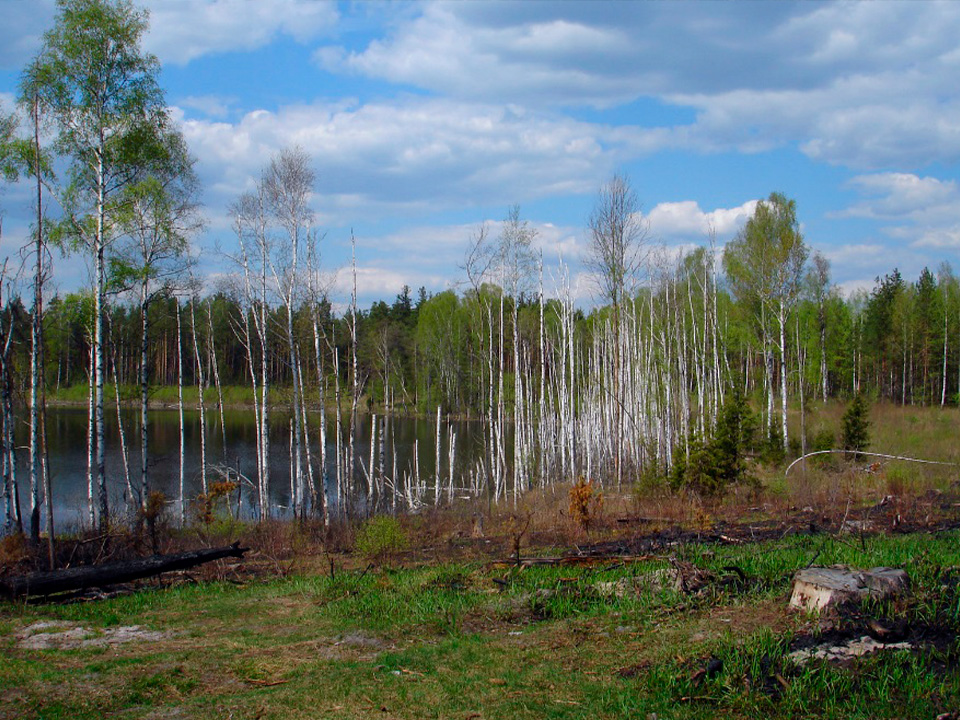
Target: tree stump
817,588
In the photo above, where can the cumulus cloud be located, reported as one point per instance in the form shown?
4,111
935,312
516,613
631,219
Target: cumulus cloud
563,53
415,155
923,212
212,106
685,220
898,196
863,84
855,256
375,282
433,255
181,30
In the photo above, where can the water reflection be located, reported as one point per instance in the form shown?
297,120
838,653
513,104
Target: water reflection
232,445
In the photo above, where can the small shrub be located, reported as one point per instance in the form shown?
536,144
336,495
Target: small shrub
824,439
772,452
517,526
856,426
380,537
154,516
650,483
218,494
796,447
697,469
586,503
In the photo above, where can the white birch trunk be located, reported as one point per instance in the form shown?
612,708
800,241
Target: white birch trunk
201,406
183,448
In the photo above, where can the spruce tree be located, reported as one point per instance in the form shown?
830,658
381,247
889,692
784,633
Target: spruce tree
856,426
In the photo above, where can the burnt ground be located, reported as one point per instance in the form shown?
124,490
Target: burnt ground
932,512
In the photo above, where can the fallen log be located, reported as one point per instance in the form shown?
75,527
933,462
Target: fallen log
91,576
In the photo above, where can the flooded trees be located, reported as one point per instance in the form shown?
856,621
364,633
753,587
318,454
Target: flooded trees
158,218
616,254
278,266
288,183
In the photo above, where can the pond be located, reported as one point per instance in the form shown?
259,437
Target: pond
408,445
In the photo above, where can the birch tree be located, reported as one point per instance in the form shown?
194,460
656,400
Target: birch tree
617,251
104,99
517,263
765,265
288,183
9,172
818,280
158,218
250,225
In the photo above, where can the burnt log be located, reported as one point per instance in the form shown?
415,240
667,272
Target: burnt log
92,576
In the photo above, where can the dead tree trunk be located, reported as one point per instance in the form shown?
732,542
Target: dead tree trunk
88,576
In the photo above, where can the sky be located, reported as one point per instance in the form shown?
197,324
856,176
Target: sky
425,120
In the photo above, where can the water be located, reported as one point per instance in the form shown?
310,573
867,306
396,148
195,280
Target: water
67,440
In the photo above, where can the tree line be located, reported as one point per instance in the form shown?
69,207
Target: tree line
626,388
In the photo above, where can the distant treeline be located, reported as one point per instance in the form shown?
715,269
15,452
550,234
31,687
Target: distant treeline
899,342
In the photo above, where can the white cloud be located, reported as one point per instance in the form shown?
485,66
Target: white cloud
414,155
898,196
939,238
180,30
863,84
849,288
685,220
433,255
213,106
375,282
922,212
856,256
183,30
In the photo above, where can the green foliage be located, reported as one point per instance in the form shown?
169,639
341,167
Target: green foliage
771,452
711,467
856,426
102,94
9,169
823,439
380,537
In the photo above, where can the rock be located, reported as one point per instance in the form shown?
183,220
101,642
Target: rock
856,527
651,582
359,640
854,648
819,587
66,636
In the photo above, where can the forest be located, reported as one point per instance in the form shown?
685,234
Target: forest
634,385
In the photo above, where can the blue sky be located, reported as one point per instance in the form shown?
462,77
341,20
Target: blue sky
425,120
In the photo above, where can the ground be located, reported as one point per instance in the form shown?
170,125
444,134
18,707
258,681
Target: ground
443,631
667,606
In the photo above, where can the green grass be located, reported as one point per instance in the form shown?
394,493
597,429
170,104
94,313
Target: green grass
445,641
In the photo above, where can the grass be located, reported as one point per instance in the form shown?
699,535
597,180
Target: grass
446,641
